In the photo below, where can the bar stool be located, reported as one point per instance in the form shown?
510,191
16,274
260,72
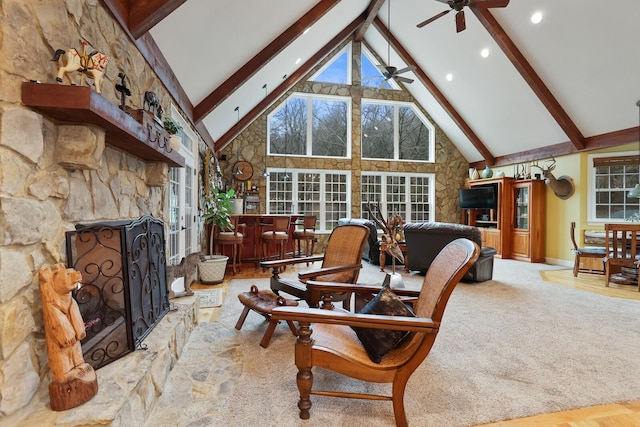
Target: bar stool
231,237
279,235
306,234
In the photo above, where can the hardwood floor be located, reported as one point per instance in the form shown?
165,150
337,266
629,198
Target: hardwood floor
616,415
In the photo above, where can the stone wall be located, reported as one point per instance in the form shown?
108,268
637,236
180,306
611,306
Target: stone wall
450,167
53,176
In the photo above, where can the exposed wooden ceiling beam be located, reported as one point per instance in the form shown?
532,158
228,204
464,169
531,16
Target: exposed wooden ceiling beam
305,68
222,92
144,14
371,13
158,63
596,142
437,94
530,76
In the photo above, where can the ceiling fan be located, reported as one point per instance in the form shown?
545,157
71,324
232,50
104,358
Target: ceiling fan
458,6
390,72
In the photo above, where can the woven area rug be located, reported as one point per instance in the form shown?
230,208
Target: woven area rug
511,347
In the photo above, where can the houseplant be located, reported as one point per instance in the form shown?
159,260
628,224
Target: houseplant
217,212
172,128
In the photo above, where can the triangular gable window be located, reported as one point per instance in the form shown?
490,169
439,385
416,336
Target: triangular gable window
338,70
371,74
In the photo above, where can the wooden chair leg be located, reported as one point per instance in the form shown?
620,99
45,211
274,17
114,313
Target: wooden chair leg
576,266
242,318
293,328
266,338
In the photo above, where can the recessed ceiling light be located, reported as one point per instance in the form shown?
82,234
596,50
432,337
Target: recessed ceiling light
449,77
536,18
298,61
484,52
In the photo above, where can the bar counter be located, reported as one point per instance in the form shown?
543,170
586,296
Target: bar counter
255,225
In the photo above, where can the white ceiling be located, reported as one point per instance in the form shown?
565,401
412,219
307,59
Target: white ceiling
586,52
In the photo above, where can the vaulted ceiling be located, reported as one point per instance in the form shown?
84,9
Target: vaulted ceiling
567,84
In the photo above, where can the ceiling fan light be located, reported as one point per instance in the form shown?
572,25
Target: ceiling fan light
635,192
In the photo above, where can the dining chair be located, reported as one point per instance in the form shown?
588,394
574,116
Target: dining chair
593,252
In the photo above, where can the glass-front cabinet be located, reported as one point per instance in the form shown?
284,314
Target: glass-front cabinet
527,220
521,207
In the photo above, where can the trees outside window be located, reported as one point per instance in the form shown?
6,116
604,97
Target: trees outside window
327,134
395,131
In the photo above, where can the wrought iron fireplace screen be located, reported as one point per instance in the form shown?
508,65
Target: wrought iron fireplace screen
124,284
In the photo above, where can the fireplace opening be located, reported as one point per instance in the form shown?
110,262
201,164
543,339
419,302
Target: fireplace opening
123,293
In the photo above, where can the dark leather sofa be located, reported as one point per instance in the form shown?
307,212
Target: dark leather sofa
426,239
372,247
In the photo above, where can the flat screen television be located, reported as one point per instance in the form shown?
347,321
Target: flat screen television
484,197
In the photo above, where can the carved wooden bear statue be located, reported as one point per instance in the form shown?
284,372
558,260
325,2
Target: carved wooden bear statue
73,381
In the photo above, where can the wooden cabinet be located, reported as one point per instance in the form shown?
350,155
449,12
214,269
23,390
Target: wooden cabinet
515,227
527,220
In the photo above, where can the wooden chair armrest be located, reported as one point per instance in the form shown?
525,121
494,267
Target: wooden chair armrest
330,287
339,317
305,275
290,261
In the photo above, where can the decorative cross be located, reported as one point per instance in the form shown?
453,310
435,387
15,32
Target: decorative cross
124,91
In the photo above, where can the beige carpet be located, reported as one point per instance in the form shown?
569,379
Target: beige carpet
511,347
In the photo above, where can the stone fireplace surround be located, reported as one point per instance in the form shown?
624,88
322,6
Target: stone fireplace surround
129,387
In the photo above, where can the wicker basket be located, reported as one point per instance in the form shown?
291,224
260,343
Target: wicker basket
212,268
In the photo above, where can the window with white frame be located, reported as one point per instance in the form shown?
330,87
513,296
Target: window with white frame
312,126
337,70
611,177
322,193
396,131
412,196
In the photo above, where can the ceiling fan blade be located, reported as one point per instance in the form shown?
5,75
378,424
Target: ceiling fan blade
404,70
433,18
460,23
403,79
490,3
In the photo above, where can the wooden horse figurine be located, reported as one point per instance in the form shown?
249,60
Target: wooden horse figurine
91,65
73,381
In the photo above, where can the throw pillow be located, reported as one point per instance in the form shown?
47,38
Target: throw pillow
378,342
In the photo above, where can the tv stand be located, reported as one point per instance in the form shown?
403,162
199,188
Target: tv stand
492,222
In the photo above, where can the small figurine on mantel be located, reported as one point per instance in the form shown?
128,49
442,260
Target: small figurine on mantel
91,65
73,381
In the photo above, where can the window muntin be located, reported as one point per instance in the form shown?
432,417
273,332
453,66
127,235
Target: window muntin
412,196
325,194
396,131
327,134
609,185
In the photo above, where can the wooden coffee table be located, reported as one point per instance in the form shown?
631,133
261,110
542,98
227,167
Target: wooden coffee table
383,255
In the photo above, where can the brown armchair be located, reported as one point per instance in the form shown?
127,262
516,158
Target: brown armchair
341,263
335,346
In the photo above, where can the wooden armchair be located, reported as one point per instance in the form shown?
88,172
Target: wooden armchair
335,346
341,263
621,248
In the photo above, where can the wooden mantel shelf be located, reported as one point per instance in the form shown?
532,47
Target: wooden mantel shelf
83,105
